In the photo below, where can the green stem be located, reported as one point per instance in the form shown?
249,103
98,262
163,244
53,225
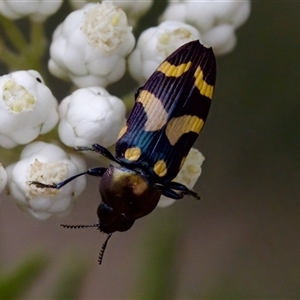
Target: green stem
13,33
33,53
37,38
28,55
7,56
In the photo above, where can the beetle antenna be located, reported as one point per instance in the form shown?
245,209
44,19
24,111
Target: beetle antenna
79,226
103,249
87,226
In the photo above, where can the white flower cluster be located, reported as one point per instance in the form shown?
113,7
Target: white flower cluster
49,164
212,22
188,175
90,46
27,108
215,20
36,10
96,38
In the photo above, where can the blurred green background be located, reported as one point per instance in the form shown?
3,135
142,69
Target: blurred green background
241,241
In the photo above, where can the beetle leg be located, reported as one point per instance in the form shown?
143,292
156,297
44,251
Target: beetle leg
168,190
98,172
171,194
93,172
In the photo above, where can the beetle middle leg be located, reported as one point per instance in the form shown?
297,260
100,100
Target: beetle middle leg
98,172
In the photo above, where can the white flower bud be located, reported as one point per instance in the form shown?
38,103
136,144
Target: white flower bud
90,46
36,10
188,175
215,20
27,108
133,9
48,164
90,115
3,178
155,44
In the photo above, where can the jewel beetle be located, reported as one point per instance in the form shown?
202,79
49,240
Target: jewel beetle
169,112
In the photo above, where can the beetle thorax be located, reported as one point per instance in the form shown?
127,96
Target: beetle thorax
126,193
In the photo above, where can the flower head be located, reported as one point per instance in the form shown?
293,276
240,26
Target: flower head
90,46
48,164
27,108
90,115
155,44
215,20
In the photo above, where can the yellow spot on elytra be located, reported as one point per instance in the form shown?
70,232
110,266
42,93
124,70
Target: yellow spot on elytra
204,88
156,113
123,131
133,154
172,70
178,126
160,168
